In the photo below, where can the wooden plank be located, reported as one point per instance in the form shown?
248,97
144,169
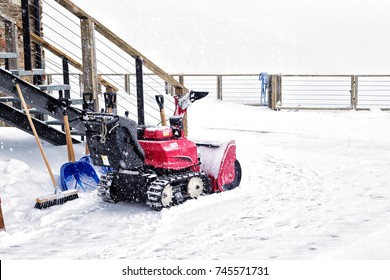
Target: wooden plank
61,54
88,47
273,92
122,44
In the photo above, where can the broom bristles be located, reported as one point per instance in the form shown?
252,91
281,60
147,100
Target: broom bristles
56,199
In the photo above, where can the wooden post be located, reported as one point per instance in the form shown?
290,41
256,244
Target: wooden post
219,87
49,79
279,90
168,89
2,224
180,92
11,41
11,38
354,92
273,92
88,47
127,84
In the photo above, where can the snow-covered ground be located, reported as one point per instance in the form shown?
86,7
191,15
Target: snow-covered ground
315,185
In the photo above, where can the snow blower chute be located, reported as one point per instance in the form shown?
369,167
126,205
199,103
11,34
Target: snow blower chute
158,166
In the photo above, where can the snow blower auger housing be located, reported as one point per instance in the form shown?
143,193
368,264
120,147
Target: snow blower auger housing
158,166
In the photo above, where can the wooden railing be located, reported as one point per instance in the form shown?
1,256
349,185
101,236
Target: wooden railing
333,92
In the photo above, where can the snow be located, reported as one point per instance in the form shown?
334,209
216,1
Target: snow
315,186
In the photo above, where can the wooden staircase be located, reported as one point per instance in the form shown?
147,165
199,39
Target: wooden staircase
46,106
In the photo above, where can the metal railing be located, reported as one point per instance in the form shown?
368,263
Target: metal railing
336,92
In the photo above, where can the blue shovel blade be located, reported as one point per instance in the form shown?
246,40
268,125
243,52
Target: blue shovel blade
100,169
78,175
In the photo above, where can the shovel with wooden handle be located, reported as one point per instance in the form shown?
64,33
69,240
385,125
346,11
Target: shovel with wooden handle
160,102
76,174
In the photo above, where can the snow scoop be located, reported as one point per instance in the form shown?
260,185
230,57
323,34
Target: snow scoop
160,102
219,162
59,197
76,174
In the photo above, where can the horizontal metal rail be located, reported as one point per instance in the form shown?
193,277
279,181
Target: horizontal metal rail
301,91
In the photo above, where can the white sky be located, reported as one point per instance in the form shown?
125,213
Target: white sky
250,36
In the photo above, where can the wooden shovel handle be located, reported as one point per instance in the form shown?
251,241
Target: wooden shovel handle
163,119
36,136
69,143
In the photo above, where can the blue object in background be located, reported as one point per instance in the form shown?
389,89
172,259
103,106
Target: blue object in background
263,77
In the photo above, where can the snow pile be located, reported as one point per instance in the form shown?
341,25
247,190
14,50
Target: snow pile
315,185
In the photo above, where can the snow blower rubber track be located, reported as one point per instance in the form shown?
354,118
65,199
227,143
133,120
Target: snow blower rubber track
111,189
172,189
162,192
104,185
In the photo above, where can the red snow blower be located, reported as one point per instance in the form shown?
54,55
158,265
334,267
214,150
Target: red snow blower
158,166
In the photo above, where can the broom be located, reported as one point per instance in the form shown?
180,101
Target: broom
58,197
2,224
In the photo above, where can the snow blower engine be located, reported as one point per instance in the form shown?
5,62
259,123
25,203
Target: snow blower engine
158,166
